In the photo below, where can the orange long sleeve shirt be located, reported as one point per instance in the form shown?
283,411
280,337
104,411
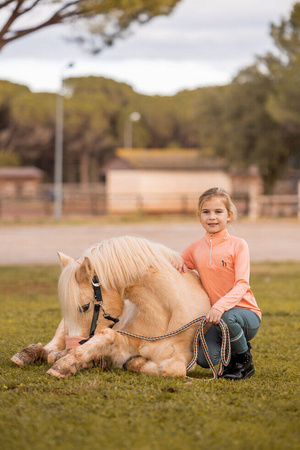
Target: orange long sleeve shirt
223,264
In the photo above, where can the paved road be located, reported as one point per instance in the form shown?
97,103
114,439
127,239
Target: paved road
268,241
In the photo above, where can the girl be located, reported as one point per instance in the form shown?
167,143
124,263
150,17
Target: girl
222,262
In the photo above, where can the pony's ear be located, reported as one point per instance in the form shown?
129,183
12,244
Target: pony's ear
85,271
64,260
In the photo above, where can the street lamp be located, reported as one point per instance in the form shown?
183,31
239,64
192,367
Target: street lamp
133,117
59,137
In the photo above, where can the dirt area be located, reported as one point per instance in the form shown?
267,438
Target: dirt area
268,241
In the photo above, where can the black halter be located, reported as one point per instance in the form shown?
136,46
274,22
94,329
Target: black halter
97,305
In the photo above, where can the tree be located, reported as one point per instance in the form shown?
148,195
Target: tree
255,120
105,20
284,71
235,122
89,128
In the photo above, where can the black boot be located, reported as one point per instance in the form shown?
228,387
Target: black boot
243,367
231,365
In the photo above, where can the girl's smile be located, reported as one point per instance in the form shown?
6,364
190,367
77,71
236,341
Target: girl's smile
214,215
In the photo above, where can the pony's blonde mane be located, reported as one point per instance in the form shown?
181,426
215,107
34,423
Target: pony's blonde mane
69,295
121,261
118,263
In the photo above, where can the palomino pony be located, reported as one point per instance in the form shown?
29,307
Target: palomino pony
140,287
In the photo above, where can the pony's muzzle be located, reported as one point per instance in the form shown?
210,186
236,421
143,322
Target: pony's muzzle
73,341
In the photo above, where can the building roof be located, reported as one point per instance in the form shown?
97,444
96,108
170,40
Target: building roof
20,173
165,159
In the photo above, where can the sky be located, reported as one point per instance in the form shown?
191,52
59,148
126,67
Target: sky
202,43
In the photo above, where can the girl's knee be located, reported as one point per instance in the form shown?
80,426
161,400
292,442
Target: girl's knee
229,317
201,360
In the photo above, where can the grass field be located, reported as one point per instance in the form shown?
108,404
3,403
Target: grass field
122,410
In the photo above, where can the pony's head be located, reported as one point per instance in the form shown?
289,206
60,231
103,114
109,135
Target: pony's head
118,263
76,297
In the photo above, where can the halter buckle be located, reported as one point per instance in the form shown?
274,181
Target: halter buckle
95,282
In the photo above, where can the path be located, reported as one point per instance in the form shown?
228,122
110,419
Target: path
268,241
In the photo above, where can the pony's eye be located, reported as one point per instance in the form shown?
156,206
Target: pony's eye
84,308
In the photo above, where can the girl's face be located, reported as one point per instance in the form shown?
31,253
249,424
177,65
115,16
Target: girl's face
213,215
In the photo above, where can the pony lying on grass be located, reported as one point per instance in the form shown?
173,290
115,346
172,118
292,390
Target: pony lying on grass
143,290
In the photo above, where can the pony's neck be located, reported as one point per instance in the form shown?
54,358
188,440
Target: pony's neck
154,300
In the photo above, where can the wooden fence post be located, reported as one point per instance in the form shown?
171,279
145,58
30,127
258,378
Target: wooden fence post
253,202
298,200
184,204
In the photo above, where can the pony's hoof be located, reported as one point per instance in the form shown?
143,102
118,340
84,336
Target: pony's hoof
59,372
28,355
15,359
55,373
53,357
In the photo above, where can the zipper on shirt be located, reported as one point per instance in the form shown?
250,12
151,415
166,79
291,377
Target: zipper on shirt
210,250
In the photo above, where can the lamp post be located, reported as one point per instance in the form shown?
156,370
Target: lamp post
128,128
58,156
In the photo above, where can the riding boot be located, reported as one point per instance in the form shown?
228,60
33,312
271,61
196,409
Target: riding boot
231,365
243,367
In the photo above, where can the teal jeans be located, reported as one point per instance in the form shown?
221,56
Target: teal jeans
243,324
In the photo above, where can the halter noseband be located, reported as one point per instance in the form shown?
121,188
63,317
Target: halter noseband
97,305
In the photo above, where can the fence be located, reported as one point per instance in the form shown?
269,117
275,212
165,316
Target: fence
279,205
93,201
87,200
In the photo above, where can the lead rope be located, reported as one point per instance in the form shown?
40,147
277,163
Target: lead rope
225,353
225,347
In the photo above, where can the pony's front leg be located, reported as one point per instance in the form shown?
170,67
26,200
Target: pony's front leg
105,343
36,352
56,348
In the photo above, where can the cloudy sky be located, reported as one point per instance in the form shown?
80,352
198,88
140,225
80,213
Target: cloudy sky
202,43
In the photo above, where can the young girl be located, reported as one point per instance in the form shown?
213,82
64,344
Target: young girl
222,262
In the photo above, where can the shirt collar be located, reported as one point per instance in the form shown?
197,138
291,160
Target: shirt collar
217,237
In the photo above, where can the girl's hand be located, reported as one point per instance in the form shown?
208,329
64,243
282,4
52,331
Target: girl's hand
179,264
213,316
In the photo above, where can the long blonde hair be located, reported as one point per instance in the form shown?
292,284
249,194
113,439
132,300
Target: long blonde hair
220,193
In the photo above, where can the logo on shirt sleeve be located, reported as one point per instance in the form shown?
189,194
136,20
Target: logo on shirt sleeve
224,263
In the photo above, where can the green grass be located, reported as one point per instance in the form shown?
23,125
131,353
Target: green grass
122,410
